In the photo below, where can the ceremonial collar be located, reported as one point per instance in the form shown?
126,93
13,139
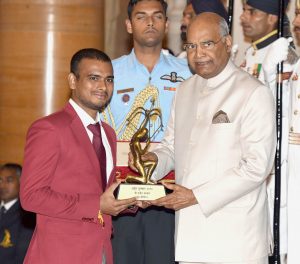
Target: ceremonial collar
265,40
222,76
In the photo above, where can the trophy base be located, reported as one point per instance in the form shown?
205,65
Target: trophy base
143,192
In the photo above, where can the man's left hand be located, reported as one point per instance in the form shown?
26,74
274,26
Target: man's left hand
181,197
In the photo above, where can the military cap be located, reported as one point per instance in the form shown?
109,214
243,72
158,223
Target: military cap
214,6
267,6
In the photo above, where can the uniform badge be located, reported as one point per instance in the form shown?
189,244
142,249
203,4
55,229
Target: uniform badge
172,77
125,98
173,89
6,242
126,90
256,70
295,77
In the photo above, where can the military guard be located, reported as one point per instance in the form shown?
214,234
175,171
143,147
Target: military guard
294,167
16,225
294,154
259,21
293,182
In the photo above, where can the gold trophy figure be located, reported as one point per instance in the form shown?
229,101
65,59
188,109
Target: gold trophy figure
140,185
145,168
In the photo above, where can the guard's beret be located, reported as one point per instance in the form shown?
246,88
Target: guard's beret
214,6
267,6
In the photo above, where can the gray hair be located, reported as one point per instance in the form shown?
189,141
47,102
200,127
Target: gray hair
224,30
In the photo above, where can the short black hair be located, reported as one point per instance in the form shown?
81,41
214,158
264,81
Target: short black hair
89,53
132,3
12,166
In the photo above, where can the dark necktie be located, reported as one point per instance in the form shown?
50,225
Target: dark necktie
2,212
100,150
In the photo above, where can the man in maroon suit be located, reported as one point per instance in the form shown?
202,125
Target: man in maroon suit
64,173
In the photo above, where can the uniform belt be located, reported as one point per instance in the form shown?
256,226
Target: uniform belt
294,138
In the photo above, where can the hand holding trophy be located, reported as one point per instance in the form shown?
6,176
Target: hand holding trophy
142,161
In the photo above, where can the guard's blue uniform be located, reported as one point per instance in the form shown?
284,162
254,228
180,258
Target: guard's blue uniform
136,87
148,236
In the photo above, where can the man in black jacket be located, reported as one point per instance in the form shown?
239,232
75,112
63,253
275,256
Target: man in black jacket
16,225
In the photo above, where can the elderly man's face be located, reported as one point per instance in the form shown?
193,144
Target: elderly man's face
211,52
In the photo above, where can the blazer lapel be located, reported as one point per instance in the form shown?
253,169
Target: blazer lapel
82,137
112,142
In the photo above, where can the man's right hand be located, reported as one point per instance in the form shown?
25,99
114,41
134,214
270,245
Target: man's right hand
110,205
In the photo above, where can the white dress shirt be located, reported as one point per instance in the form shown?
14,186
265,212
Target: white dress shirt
9,204
86,120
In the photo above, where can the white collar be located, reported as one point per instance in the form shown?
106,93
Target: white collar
222,76
83,115
9,204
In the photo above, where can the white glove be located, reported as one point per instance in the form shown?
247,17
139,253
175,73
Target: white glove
277,52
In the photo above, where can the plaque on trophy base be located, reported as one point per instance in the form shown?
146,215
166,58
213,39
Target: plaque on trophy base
142,192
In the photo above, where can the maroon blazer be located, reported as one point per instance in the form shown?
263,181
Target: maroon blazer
61,183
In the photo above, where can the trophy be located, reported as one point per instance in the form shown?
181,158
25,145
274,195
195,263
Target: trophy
141,186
